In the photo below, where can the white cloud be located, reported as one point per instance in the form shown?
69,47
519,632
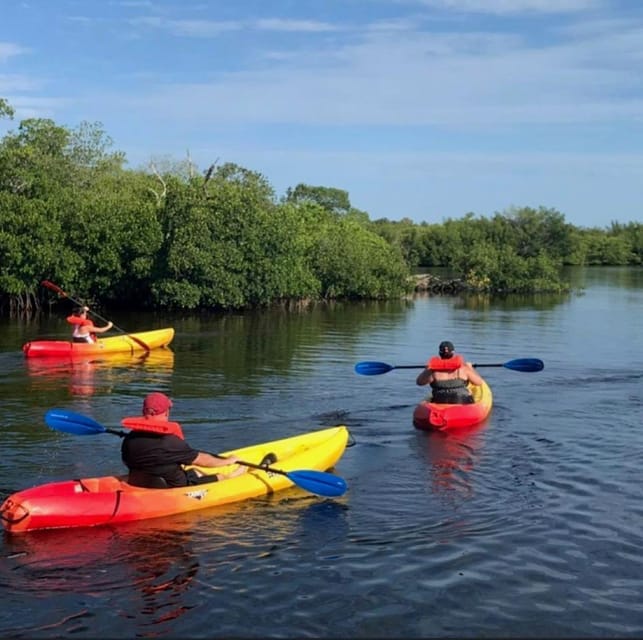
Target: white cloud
10,50
500,7
418,78
301,26
212,28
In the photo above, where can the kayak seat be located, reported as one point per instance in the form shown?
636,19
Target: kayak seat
138,478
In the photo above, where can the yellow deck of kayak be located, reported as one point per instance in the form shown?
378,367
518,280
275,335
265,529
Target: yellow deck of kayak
153,339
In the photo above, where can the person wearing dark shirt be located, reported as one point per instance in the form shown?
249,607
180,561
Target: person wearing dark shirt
155,452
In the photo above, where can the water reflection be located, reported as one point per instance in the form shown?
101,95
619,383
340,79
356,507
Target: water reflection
153,564
452,456
86,376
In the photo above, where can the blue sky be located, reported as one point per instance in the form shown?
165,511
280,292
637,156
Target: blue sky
426,109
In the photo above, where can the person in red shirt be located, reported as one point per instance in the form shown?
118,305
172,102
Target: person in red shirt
84,328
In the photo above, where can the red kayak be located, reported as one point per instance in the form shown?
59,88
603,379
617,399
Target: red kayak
435,416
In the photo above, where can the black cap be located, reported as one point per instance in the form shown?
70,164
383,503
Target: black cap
446,349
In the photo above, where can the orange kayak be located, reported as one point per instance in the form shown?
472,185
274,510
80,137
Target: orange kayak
89,502
435,416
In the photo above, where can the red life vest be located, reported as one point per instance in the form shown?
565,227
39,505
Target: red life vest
449,364
79,322
140,423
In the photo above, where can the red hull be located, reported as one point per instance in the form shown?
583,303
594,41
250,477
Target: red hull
433,416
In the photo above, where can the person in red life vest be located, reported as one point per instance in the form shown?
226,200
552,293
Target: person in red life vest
155,450
84,328
448,376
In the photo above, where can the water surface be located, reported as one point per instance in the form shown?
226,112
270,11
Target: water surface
529,525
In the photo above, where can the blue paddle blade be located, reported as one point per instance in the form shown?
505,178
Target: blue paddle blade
372,368
319,482
72,422
525,364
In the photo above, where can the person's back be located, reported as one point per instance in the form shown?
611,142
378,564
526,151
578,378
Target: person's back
449,376
158,455
155,452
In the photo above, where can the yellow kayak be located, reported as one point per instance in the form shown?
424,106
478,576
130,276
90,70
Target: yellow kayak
111,499
126,343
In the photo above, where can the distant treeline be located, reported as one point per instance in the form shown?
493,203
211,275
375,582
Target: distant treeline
171,237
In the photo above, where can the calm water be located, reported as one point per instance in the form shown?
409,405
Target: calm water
530,525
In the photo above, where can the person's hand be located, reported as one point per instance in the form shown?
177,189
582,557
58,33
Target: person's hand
110,324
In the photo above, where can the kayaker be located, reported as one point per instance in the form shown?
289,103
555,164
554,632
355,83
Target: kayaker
448,376
155,459
84,328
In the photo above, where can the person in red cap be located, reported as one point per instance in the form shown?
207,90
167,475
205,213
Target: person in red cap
156,455
156,403
448,376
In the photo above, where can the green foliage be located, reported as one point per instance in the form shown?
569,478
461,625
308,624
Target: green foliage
518,250
230,245
200,249
620,245
32,161
405,236
602,249
89,146
333,200
28,246
6,110
532,231
502,270
277,264
351,262
171,238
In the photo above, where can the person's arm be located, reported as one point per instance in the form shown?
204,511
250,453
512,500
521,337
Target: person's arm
89,327
472,375
107,327
204,459
425,377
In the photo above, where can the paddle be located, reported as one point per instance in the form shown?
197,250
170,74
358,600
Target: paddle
520,364
317,482
60,292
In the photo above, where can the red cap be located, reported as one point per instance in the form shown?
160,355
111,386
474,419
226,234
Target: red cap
155,403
